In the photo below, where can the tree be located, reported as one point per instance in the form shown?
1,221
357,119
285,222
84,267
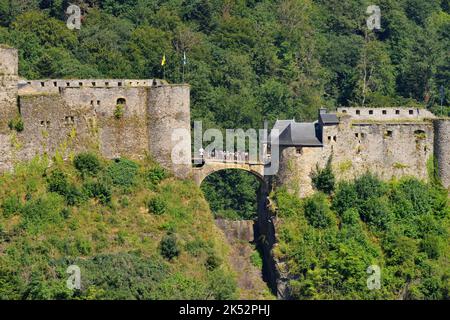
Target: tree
323,179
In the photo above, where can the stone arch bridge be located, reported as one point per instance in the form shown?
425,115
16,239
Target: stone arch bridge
210,166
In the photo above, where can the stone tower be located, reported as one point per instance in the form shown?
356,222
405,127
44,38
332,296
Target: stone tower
442,149
8,85
170,127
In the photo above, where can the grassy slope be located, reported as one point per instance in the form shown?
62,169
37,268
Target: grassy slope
116,245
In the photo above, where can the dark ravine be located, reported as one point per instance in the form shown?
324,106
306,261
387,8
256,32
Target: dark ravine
240,235
273,272
243,236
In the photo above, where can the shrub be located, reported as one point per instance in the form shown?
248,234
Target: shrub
65,213
222,285
98,190
122,172
57,182
368,186
196,246
323,179
73,195
317,211
119,111
256,259
157,206
432,245
123,276
350,216
376,212
345,197
156,175
169,247
212,261
42,211
87,163
16,124
10,206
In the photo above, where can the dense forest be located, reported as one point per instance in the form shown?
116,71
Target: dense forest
329,239
247,60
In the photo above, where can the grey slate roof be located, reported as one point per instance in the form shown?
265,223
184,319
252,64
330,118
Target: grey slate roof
297,134
328,118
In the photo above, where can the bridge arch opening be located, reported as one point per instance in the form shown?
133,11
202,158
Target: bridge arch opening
233,193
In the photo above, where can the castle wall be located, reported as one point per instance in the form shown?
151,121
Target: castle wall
388,149
55,85
51,125
442,150
169,110
386,114
124,136
8,86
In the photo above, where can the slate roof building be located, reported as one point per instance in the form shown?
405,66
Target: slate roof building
303,134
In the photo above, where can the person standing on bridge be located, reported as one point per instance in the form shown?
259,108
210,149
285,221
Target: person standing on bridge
201,152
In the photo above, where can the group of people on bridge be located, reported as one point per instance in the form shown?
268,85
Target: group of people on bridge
224,156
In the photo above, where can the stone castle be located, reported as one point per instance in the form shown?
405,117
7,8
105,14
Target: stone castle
390,142
136,118
133,118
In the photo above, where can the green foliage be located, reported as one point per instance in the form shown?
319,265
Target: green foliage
98,190
122,276
119,111
157,206
87,163
156,175
213,261
42,212
256,259
16,124
169,246
10,206
317,211
226,200
368,186
111,240
122,173
345,198
402,226
58,183
323,179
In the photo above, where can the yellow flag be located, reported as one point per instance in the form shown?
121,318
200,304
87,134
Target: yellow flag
163,62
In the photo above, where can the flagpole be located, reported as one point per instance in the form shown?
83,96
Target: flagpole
184,63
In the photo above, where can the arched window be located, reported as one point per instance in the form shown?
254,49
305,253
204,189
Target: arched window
121,101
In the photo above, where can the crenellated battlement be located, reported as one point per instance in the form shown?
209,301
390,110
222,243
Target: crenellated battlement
386,114
55,86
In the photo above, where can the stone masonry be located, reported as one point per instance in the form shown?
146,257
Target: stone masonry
389,142
130,118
